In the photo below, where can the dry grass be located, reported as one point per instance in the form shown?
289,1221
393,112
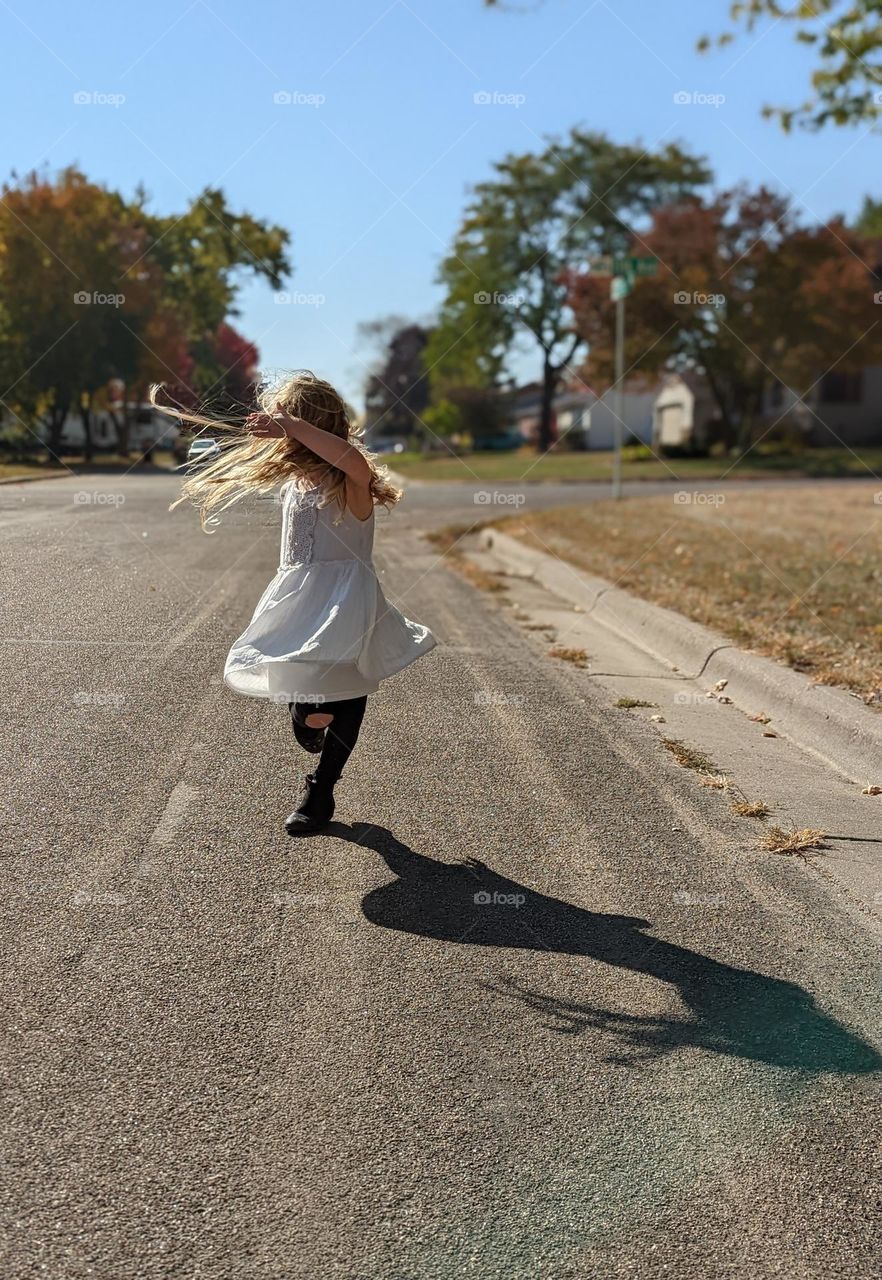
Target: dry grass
578,657
777,840
794,572
751,808
716,781
627,704
689,757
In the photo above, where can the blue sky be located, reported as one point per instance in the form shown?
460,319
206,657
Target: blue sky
370,162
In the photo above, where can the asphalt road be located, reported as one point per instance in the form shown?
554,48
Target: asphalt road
531,1008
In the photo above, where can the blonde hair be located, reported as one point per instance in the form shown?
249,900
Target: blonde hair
251,464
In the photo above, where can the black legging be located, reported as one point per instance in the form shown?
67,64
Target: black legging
341,734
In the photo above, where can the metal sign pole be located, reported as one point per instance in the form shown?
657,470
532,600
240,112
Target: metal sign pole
619,398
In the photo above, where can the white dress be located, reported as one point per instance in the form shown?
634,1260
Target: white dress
323,628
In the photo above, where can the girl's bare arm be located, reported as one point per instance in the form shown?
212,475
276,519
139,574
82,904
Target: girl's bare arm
339,453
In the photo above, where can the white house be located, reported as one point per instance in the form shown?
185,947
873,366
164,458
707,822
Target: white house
583,415
585,420
149,429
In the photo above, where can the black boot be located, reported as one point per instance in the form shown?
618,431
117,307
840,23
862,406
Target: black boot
315,811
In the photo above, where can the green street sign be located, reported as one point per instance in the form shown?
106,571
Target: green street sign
634,266
619,288
645,266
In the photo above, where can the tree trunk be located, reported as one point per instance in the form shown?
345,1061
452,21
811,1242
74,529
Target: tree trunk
86,416
57,415
546,420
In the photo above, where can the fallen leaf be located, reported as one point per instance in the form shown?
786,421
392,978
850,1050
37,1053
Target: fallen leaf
768,734
760,717
720,685
871,790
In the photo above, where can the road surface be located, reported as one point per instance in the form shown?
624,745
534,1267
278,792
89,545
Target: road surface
531,1008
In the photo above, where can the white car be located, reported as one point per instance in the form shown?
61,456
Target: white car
203,450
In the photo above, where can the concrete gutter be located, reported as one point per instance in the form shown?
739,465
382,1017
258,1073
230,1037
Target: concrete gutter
827,722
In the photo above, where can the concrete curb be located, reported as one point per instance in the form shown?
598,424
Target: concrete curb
827,722
53,475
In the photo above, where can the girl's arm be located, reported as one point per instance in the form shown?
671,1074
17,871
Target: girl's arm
339,453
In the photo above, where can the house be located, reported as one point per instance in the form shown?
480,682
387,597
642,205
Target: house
149,429
840,409
582,419
684,413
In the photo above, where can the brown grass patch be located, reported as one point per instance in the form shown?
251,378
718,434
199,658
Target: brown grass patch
716,781
627,704
793,572
777,840
751,808
689,757
578,657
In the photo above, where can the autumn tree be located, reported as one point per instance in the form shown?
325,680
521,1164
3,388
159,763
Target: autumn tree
396,388
745,295
93,288
525,231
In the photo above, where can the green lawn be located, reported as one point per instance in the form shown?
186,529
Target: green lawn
524,465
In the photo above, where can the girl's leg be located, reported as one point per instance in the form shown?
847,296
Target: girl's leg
340,738
317,806
308,719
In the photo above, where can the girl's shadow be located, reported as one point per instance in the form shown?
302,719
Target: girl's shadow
731,1011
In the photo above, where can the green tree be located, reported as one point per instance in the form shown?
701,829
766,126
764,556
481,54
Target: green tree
846,84
525,232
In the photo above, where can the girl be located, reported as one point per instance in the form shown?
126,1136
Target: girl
322,636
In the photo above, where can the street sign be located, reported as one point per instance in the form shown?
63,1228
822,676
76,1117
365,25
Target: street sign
619,288
602,265
632,267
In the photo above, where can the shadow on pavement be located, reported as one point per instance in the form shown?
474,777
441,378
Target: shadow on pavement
731,1011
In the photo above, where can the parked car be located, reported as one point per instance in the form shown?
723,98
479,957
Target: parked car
203,450
389,445
502,440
